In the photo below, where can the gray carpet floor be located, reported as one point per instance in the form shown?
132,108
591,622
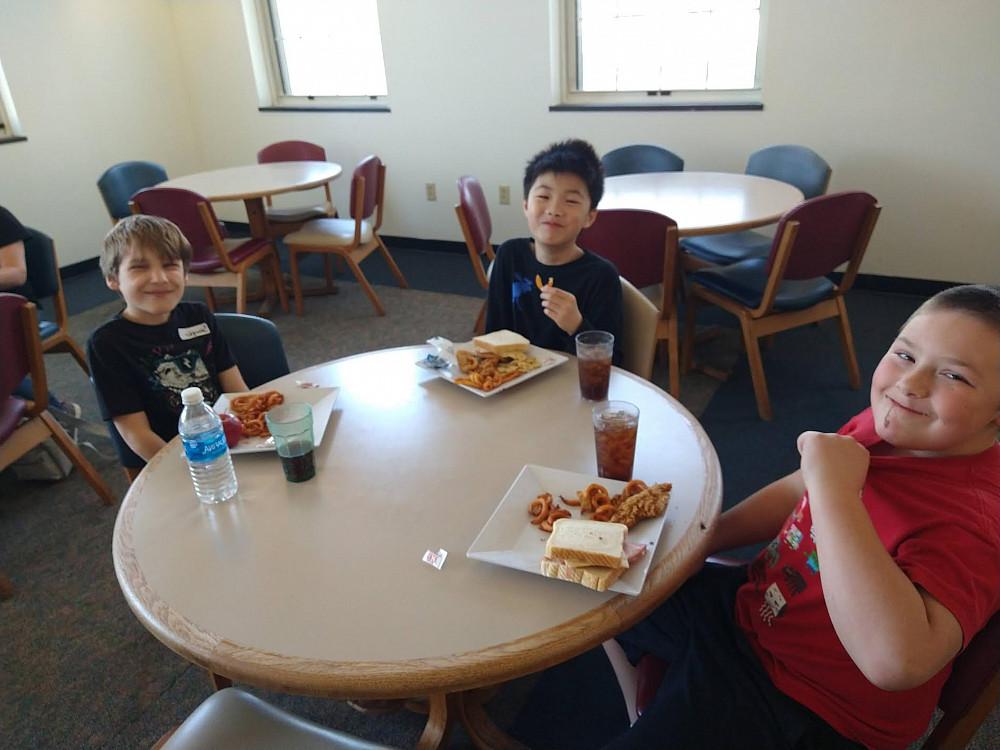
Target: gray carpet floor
77,670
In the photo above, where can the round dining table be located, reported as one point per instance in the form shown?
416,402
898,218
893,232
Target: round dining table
703,202
252,183
320,588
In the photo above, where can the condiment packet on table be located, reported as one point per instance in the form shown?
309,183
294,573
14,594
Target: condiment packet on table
435,558
442,357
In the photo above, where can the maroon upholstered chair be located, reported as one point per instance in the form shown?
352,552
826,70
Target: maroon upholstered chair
296,151
216,261
25,424
789,287
352,239
643,246
474,218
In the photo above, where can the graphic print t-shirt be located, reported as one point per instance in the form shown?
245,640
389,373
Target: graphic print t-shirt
144,368
939,519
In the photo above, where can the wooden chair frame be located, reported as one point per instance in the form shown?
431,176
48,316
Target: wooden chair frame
40,424
233,275
475,256
61,341
763,321
357,251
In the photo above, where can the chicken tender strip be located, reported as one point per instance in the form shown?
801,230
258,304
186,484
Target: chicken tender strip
649,503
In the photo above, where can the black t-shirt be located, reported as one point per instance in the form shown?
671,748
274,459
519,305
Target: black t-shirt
144,368
514,303
11,231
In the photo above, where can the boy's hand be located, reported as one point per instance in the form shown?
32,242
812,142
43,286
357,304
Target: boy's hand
832,462
561,307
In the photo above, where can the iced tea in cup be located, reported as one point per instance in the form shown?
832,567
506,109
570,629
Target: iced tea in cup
616,424
593,358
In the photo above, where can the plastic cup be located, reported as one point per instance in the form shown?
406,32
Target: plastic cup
292,428
593,358
616,424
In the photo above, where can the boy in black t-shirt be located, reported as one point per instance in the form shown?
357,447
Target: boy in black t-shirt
548,288
157,346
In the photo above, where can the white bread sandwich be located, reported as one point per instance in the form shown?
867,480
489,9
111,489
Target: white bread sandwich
590,553
501,342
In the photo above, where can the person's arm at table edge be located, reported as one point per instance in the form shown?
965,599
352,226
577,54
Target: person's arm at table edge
13,269
759,517
138,435
231,381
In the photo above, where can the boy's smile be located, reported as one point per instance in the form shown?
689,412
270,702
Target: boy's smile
937,390
150,284
558,209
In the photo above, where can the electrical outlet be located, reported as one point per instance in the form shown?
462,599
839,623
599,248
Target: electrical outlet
432,191
505,195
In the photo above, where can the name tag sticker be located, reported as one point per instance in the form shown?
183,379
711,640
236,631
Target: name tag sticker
193,332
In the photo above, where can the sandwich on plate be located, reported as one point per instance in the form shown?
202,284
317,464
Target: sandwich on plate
591,553
501,342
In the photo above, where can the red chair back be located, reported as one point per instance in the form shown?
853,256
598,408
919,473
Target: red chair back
631,239
370,168
181,207
476,212
830,228
291,151
13,349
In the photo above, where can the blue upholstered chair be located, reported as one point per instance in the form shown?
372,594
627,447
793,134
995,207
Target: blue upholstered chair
789,287
640,158
120,182
796,165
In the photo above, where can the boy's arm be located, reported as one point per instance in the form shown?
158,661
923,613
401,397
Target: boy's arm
13,270
232,381
896,633
561,307
136,432
759,517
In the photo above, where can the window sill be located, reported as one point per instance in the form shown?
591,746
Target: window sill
12,139
689,107
324,109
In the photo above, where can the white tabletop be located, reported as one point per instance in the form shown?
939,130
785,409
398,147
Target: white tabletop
703,202
257,180
319,587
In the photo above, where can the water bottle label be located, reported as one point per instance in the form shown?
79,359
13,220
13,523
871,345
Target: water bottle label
205,447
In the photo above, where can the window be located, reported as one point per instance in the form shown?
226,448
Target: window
9,126
656,53
319,54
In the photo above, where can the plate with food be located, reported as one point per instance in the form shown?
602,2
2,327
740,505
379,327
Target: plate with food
243,414
492,363
598,533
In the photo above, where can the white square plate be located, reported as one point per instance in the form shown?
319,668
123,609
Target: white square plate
509,538
320,399
547,359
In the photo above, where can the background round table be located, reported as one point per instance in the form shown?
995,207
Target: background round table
703,202
319,588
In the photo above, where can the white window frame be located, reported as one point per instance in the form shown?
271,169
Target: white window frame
10,126
563,14
267,70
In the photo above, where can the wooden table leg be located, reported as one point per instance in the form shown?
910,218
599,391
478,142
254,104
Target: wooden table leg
484,734
440,717
257,217
218,681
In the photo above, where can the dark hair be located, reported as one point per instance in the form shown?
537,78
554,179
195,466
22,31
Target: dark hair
140,230
981,301
572,156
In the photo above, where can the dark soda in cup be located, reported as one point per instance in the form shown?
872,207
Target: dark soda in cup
593,354
616,426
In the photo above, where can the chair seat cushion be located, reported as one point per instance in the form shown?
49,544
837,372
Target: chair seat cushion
238,251
11,412
47,328
232,718
293,215
744,282
329,233
724,249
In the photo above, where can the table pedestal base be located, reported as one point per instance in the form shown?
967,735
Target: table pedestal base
443,710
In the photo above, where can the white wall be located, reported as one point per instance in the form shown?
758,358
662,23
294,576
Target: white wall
900,97
94,83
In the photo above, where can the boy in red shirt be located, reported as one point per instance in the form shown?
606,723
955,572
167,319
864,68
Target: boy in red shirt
886,563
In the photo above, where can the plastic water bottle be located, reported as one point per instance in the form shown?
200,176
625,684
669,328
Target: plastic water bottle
205,449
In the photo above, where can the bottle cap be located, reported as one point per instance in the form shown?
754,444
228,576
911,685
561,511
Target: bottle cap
191,395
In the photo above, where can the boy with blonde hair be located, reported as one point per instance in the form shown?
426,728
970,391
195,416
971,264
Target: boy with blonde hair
157,345
842,631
